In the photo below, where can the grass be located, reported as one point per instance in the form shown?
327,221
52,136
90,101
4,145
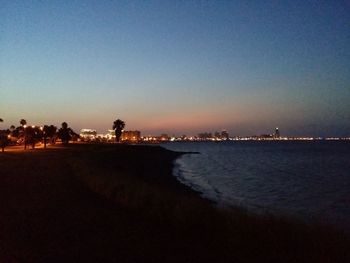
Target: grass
120,203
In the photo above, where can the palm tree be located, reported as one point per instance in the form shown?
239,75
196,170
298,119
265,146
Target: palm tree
118,127
65,133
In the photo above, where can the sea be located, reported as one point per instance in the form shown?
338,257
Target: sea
309,180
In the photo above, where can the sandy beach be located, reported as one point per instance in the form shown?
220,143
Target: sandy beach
121,203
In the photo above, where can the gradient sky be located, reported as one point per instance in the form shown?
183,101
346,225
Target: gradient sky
178,66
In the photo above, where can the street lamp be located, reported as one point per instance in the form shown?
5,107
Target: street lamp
44,135
25,136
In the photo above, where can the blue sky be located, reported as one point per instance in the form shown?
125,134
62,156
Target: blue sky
178,66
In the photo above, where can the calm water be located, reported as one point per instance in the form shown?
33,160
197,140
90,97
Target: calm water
309,180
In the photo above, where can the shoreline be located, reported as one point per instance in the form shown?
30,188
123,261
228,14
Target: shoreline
121,203
286,191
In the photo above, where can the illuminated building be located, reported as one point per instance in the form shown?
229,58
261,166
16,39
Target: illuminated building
88,134
224,135
164,137
131,136
277,133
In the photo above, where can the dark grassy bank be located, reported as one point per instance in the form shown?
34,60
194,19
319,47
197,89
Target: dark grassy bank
119,203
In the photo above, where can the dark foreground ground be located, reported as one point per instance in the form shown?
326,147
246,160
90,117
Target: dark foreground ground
119,203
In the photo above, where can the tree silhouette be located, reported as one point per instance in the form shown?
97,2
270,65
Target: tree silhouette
118,126
49,132
32,136
65,133
3,138
23,122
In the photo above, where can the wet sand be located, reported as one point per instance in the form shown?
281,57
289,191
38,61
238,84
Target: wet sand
120,203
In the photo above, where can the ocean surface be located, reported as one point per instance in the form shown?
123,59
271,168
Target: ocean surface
309,180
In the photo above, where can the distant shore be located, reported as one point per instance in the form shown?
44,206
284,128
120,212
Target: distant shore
121,203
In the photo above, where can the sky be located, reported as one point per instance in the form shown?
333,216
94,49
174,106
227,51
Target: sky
178,67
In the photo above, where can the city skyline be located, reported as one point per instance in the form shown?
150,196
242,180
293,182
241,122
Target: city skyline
178,67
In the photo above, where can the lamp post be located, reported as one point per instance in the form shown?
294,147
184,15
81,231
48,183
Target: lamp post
25,136
44,135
